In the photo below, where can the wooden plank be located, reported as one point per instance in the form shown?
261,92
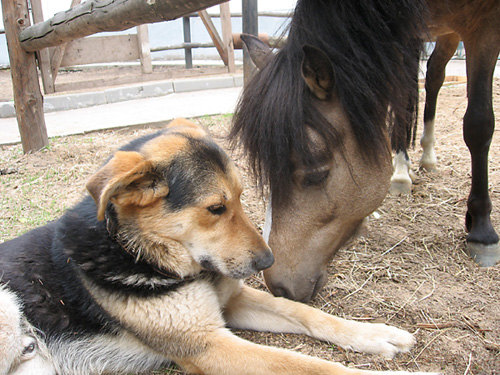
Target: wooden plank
43,55
227,35
101,49
250,25
27,96
58,52
95,16
144,49
212,31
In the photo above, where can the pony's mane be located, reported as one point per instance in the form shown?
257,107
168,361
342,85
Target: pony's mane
374,46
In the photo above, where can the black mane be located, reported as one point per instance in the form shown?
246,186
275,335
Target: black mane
374,46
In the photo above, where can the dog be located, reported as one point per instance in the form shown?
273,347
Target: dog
148,268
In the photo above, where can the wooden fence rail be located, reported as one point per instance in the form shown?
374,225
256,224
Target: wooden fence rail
95,16
85,19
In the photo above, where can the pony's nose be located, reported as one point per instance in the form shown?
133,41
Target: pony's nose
301,293
263,260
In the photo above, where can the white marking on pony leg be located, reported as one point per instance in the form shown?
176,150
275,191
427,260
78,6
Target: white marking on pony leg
428,160
266,231
401,178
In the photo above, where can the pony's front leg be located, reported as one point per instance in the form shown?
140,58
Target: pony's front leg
402,176
479,125
260,311
434,78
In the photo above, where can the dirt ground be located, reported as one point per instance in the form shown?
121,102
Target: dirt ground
408,269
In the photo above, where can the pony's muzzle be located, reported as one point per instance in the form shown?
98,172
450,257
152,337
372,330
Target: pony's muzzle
302,290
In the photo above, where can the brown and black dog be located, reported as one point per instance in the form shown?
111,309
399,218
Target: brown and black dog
148,269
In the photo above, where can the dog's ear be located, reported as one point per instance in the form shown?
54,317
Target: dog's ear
127,179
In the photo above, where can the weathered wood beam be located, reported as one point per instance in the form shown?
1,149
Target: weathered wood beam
250,25
43,55
214,35
144,49
227,35
95,16
27,95
58,53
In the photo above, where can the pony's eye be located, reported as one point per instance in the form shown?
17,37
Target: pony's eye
217,209
316,178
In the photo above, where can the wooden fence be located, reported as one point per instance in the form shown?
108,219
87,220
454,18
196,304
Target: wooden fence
90,17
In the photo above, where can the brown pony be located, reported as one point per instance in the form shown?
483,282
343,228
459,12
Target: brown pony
476,22
315,122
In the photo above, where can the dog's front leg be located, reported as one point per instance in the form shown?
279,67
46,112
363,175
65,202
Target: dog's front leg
227,354
260,311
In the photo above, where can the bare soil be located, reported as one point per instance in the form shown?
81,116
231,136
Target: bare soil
409,269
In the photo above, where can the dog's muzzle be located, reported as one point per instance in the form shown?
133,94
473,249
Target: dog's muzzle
263,260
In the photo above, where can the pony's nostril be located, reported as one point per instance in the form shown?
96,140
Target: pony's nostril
263,261
318,285
279,291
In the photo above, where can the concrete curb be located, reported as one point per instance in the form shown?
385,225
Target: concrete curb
131,92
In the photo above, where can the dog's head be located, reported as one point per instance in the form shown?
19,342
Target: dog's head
179,185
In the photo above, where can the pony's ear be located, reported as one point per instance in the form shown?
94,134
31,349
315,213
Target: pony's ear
259,51
126,179
317,71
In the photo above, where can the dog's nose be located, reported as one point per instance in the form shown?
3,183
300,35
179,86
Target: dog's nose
263,260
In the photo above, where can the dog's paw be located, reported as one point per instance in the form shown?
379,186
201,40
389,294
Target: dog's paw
376,338
405,373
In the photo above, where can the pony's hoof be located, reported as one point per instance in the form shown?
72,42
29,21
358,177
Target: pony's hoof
428,166
428,163
484,255
400,187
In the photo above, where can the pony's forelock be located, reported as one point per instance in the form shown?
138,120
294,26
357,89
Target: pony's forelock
374,47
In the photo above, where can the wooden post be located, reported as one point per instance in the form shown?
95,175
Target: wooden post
188,52
27,96
43,55
250,26
212,31
58,54
144,49
227,35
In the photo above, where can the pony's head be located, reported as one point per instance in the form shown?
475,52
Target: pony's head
314,122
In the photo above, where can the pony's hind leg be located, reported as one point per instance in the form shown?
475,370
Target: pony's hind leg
402,177
482,50
434,78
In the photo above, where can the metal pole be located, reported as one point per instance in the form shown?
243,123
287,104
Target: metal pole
188,54
250,26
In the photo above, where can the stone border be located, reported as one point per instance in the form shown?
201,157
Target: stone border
120,94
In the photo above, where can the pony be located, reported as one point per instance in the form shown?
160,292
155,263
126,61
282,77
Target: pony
315,124
476,23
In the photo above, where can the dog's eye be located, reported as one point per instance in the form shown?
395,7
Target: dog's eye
29,349
217,209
